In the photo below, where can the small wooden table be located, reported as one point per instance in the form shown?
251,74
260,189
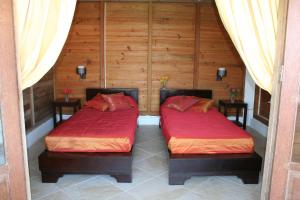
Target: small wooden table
238,105
59,103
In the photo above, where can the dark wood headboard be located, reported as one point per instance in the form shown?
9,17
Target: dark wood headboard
165,93
133,92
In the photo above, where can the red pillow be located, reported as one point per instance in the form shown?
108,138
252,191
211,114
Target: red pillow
182,103
131,101
97,103
203,105
117,101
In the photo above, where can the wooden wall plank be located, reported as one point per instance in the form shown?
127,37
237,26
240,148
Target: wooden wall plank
102,44
144,41
197,45
27,108
296,146
127,47
84,46
292,190
217,50
173,44
37,101
43,94
149,64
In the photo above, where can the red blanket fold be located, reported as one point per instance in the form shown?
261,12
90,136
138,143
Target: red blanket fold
90,130
203,133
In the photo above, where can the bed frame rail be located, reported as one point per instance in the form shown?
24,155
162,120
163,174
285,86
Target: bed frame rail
55,164
184,166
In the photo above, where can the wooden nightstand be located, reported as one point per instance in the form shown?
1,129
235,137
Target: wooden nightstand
238,105
60,103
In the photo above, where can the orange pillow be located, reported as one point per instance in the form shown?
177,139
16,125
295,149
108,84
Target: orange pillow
117,101
98,103
182,103
203,105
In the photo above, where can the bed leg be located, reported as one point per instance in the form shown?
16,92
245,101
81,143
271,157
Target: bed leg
50,177
250,178
123,178
177,180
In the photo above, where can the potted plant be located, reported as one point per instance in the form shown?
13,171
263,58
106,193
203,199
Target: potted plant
164,81
67,93
233,94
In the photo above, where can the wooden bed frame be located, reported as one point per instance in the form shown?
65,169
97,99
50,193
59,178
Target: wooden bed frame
184,166
119,165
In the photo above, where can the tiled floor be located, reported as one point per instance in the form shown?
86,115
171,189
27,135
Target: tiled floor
150,178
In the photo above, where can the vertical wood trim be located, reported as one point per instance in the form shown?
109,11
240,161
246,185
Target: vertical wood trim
54,81
149,65
102,44
197,45
12,107
283,136
275,102
32,114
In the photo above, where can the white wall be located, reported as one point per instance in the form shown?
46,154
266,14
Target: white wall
249,99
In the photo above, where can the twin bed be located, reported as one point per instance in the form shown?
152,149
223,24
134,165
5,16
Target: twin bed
206,143
102,142
92,142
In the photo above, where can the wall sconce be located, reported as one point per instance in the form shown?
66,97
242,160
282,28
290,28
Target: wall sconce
221,72
81,71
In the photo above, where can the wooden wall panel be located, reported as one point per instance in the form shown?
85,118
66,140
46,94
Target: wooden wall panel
27,108
144,41
4,187
43,94
293,186
127,47
173,42
37,101
81,48
217,50
296,146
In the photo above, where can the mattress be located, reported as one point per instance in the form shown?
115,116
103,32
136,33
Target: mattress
192,132
90,130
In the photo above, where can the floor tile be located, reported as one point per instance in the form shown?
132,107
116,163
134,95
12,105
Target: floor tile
95,188
214,187
140,154
139,176
155,189
123,196
39,189
150,178
153,146
56,196
69,180
34,168
155,165
34,151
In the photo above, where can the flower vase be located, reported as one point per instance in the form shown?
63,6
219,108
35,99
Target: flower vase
232,98
66,97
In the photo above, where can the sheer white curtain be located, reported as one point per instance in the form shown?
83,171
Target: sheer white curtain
252,26
41,27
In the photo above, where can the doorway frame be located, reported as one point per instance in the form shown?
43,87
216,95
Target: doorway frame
16,168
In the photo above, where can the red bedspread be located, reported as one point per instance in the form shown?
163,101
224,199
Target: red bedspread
90,130
203,133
